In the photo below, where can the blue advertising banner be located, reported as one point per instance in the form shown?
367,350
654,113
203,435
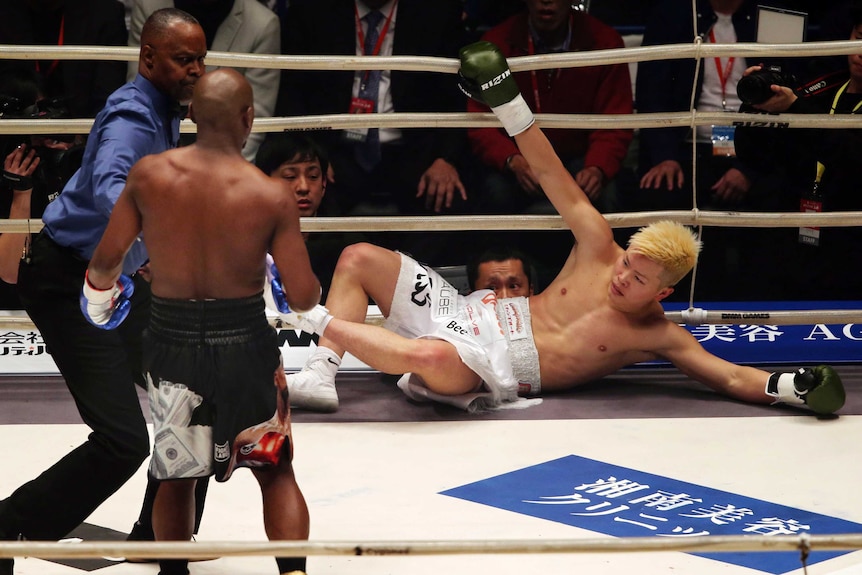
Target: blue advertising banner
624,502
770,344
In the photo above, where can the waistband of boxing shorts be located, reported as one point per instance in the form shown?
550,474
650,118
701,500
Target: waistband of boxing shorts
514,316
215,321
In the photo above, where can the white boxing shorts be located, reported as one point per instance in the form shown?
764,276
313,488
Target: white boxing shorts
426,305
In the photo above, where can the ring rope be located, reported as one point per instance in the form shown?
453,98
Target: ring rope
204,549
449,65
477,120
537,222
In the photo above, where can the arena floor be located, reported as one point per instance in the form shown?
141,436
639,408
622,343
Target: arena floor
382,468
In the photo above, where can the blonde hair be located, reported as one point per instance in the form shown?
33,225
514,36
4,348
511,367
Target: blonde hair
673,246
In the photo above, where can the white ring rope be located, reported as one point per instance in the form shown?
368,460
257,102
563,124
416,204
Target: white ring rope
537,222
450,65
204,549
476,120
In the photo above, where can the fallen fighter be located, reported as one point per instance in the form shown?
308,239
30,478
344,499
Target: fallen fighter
601,313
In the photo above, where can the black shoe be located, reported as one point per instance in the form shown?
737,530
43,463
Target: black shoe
6,565
139,532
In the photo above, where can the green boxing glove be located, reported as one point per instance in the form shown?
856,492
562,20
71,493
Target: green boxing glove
820,389
485,77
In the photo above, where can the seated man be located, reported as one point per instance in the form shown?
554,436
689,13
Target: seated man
297,159
601,313
506,271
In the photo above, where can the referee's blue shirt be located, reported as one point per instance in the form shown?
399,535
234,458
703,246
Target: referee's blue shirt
137,120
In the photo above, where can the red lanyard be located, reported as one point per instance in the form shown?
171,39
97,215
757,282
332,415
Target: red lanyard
383,32
723,76
531,50
54,64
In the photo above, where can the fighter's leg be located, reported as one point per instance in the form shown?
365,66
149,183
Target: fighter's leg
285,513
174,519
436,361
363,270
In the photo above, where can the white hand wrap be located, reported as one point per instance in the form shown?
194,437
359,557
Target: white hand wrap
314,320
515,115
784,390
100,302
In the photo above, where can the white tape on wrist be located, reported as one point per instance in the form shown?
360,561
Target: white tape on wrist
787,390
96,295
515,115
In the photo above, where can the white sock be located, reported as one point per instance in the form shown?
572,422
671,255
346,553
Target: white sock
328,359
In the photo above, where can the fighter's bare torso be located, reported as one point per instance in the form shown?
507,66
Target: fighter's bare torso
580,335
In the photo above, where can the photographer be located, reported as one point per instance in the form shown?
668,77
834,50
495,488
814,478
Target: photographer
35,168
820,170
724,180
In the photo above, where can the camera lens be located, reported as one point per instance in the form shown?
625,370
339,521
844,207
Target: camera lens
754,88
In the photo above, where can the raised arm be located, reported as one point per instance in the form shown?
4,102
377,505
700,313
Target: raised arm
485,76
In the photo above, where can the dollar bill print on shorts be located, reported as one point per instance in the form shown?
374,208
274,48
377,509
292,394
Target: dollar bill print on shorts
180,450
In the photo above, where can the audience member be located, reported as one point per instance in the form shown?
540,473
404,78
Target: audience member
504,270
35,168
416,169
243,26
482,15
832,26
594,157
210,357
601,313
303,164
101,367
83,84
821,171
505,183
724,181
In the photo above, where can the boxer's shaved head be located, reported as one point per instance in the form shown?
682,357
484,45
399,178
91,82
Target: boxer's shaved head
223,103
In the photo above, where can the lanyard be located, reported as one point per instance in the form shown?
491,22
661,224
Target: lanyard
820,167
361,36
723,75
531,50
54,64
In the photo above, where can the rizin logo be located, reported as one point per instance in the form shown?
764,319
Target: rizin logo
496,80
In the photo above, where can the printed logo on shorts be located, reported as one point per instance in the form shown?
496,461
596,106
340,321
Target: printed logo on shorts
421,287
445,303
222,452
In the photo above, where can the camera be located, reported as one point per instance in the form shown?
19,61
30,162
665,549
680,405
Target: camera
755,88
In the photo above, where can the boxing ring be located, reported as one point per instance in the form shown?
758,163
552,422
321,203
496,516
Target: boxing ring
810,516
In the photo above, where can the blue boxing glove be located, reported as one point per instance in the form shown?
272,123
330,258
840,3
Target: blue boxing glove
273,289
314,320
106,309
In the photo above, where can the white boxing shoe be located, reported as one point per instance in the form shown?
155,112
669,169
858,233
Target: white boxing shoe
313,388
